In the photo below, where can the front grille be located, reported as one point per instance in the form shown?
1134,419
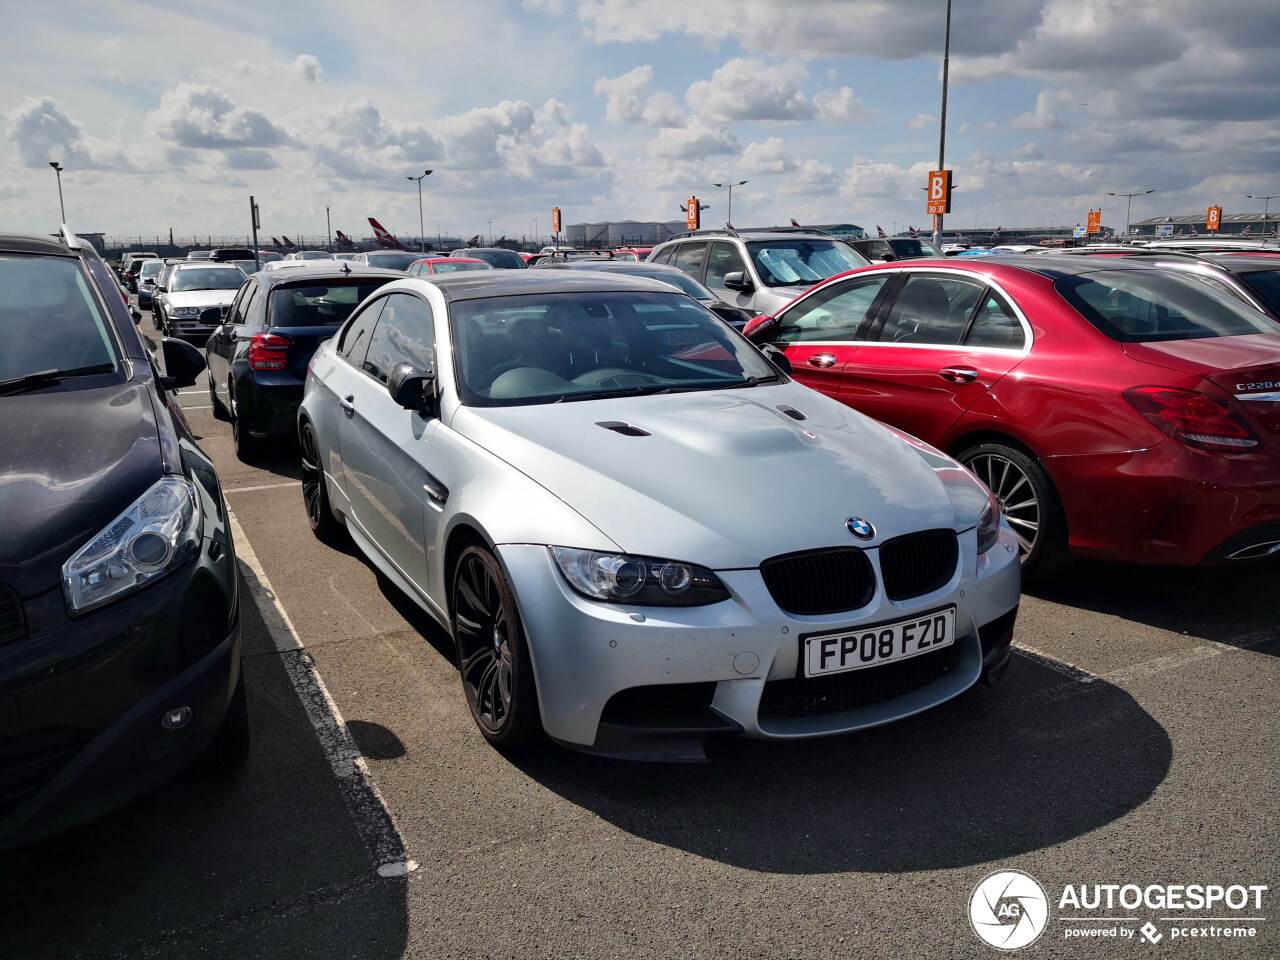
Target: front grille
918,563
212,316
12,625
820,581
841,692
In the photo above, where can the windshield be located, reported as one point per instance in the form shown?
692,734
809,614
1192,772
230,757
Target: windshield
783,262
444,266
910,249
151,268
503,259
1266,284
212,278
1137,306
320,305
677,278
552,347
393,261
49,319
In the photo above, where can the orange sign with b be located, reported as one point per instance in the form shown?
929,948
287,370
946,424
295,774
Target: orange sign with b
555,219
693,215
1095,221
1214,219
939,192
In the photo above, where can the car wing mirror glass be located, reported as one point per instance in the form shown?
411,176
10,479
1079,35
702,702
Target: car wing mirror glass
737,280
182,363
412,388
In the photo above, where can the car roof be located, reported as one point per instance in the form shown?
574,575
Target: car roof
203,264
310,274
614,266
760,233
483,250
34,243
1051,266
477,284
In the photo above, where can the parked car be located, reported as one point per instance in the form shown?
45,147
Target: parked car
258,356
159,287
129,272
566,428
309,255
429,266
1254,280
1119,411
634,254
387,259
199,254
758,270
498,257
195,298
736,317
225,254
147,274
119,626
888,249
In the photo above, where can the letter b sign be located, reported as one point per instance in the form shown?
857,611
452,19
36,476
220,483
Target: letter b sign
939,192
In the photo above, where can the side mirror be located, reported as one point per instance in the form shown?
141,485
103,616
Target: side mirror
778,357
182,363
759,328
737,280
412,388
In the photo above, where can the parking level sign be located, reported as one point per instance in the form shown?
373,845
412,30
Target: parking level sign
939,192
1214,219
555,219
1095,221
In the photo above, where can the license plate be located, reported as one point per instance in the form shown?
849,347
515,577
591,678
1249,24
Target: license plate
878,644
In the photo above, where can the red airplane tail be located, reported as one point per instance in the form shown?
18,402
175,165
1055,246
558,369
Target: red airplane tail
288,244
880,231
793,222
384,236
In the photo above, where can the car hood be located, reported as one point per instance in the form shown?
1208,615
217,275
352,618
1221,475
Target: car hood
725,478
70,462
200,298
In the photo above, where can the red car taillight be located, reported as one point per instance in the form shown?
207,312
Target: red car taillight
267,351
1192,418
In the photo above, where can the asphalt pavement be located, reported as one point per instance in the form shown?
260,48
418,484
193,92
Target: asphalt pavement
1133,741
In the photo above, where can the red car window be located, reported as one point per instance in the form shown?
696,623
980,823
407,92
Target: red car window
931,309
995,325
832,313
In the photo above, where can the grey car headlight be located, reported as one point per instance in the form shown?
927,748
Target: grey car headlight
156,534
989,524
620,578
186,311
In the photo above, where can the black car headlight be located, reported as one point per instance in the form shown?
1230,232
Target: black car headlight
620,578
989,524
156,534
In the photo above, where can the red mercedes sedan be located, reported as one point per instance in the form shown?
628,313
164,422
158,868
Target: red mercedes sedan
1118,411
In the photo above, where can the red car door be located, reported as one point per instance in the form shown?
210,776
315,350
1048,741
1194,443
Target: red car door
821,331
945,341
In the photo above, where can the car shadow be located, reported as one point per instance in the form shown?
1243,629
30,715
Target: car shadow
279,456
266,863
1228,604
993,774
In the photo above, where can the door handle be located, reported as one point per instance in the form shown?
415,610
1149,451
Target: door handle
348,403
958,374
822,360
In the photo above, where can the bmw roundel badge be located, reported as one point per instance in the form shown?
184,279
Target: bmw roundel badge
860,528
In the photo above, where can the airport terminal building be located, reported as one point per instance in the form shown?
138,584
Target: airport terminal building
1233,224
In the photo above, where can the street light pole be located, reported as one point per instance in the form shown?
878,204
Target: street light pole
491,233
1129,206
729,213
57,169
942,125
1266,207
422,242
328,229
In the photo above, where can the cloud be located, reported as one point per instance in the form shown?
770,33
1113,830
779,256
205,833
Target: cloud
692,142
1045,116
250,159
356,142
307,68
663,110
745,89
624,95
920,121
202,117
841,106
42,132
767,157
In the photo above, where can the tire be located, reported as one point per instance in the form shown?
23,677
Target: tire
315,492
493,656
229,748
219,410
1036,513
155,319
246,445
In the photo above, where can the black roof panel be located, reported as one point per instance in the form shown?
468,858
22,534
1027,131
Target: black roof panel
33,243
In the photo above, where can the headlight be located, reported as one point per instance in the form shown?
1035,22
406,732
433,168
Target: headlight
186,311
619,578
156,534
989,524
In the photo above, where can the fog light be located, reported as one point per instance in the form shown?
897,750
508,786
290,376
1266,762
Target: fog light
177,718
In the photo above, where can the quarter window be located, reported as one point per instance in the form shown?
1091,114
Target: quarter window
404,333
931,310
833,313
995,325
724,259
355,340
689,258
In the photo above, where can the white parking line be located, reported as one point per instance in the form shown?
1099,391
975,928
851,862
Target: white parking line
262,486
1053,663
368,809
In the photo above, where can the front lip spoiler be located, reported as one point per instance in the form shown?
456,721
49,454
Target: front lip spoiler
624,741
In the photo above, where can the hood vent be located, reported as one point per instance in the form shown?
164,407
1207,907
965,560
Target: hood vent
792,412
626,429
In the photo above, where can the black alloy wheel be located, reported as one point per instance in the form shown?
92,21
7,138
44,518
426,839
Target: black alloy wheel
155,317
1029,502
315,494
493,658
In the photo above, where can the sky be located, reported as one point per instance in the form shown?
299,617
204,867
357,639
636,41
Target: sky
170,115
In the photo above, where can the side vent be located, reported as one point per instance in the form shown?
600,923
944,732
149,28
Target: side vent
626,429
792,412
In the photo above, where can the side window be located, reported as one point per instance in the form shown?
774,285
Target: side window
355,339
251,314
995,325
724,259
235,312
833,313
880,250
1216,285
664,256
689,258
931,310
404,333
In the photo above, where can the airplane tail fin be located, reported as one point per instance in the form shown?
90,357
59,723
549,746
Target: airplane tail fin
793,222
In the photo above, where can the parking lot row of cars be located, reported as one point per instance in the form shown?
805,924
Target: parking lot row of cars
825,472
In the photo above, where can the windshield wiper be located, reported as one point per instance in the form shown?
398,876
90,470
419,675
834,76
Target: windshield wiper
620,392
44,378
752,382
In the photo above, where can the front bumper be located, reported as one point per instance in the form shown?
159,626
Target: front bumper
81,698
585,653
